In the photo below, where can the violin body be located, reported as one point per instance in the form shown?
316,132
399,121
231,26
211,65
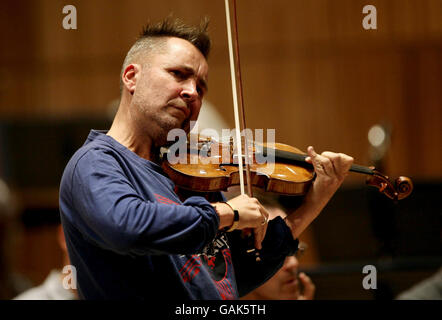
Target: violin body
207,172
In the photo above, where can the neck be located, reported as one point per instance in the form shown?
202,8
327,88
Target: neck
125,131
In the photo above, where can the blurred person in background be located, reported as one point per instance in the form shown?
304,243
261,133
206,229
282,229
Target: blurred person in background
53,287
11,283
427,289
288,283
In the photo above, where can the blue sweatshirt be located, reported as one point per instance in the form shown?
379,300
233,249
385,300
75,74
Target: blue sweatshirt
129,235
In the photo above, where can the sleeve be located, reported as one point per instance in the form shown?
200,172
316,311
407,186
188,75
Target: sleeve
113,215
277,245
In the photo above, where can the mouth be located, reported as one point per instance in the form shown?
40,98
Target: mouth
292,282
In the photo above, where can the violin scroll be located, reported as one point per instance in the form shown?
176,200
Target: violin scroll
402,188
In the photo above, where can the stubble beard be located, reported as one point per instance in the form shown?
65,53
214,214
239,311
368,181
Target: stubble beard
162,124
156,123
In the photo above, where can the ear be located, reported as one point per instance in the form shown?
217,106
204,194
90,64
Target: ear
130,77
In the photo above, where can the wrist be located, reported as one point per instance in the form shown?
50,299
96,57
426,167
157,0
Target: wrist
235,218
225,214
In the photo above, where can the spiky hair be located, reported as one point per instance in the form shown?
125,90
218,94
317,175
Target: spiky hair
153,36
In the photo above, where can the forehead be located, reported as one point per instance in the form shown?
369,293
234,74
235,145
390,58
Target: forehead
178,52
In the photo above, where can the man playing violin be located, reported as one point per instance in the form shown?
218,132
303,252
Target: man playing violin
128,232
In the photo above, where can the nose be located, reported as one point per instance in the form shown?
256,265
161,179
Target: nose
291,264
189,91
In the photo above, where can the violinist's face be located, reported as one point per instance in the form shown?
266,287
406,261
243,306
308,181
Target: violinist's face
170,88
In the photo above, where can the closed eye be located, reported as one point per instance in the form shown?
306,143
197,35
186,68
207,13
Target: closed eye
186,73
177,73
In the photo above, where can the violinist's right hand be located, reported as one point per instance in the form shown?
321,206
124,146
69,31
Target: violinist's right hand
251,215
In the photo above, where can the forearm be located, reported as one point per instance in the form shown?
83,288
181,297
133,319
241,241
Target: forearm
300,220
311,207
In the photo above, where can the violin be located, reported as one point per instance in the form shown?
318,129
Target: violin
209,166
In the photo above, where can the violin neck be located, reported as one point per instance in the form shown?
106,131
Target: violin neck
290,157
361,169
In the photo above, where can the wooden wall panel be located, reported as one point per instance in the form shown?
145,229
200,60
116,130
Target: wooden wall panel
311,61
309,68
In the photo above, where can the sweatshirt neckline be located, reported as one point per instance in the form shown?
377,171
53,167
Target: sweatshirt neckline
102,135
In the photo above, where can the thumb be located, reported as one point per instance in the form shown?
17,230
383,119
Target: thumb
311,154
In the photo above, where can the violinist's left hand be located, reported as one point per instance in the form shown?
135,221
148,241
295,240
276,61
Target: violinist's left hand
331,169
